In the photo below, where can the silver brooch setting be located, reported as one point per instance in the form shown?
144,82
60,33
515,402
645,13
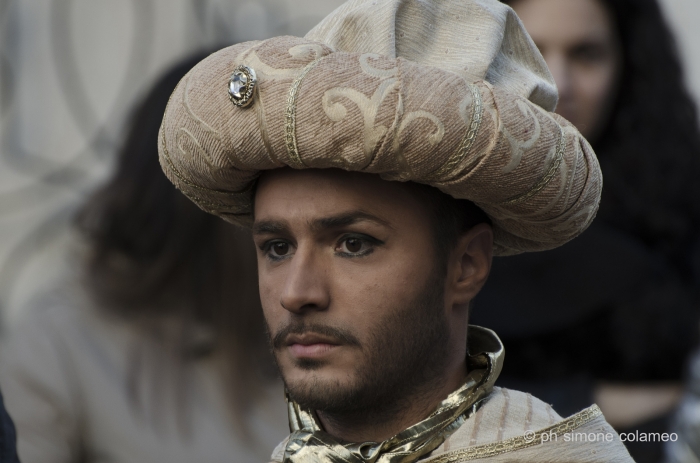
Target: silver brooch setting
241,86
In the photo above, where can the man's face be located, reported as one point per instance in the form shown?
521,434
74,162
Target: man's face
354,305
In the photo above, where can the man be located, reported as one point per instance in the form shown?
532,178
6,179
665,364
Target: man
381,162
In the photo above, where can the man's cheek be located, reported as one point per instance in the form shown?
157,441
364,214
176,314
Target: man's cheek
268,288
272,314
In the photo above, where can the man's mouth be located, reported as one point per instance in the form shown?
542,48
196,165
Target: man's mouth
310,345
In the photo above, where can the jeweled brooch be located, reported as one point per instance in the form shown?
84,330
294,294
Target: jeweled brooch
241,86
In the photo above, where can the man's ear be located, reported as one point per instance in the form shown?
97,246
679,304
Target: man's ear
470,264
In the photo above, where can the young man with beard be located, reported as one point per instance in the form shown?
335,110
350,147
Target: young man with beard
381,161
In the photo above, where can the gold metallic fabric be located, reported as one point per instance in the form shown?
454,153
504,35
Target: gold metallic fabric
310,444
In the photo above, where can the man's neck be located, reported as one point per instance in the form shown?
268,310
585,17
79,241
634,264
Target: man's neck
382,423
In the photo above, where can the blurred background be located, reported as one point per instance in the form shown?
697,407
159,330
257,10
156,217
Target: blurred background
74,76
70,72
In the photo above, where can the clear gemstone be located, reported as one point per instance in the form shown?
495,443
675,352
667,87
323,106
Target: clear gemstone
237,85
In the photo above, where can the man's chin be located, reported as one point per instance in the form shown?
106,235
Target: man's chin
317,392
317,385
309,374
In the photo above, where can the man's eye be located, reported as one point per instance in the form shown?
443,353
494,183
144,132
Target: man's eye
355,246
352,245
279,249
276,250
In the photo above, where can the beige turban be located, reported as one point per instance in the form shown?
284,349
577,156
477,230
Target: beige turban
451,93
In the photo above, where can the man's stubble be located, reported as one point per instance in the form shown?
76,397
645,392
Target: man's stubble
405,357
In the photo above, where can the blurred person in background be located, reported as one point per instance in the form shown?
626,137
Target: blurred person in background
159,355
8,450
686,423
636,269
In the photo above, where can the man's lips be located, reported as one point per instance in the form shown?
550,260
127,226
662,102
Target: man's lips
309,345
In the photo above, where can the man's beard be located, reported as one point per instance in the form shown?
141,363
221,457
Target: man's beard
405,356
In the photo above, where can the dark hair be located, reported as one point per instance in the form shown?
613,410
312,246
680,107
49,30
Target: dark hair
650,151
450,217
157,260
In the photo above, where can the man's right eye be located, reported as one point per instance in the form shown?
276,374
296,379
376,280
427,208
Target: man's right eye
277,249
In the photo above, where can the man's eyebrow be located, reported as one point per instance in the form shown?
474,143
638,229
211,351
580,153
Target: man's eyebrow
269,227
345,219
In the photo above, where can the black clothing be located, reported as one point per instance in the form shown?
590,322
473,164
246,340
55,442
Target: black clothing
602,307
8,438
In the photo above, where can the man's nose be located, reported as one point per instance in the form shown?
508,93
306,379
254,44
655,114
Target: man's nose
306,284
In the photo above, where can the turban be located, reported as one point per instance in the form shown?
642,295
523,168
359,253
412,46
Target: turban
452,94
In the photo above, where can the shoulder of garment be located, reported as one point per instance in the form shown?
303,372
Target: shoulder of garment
513,426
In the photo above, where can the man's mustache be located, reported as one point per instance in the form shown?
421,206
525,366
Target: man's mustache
337,334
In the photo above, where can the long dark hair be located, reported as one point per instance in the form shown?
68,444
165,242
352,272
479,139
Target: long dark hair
186,277
649,152
650,157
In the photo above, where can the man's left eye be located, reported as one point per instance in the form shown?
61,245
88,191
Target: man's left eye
354,245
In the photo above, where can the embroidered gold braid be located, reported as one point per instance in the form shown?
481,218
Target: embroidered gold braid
290,117
519,442
466,144
548,176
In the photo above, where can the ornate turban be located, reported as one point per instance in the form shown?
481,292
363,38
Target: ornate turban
451,93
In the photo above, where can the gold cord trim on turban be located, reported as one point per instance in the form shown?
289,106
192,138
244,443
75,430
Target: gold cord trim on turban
290,117
520,442
477,115
548,176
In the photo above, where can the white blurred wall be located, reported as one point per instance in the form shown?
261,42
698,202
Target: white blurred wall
71,69
684,17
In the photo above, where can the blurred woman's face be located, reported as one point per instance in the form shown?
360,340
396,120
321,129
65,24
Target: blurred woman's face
579,42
